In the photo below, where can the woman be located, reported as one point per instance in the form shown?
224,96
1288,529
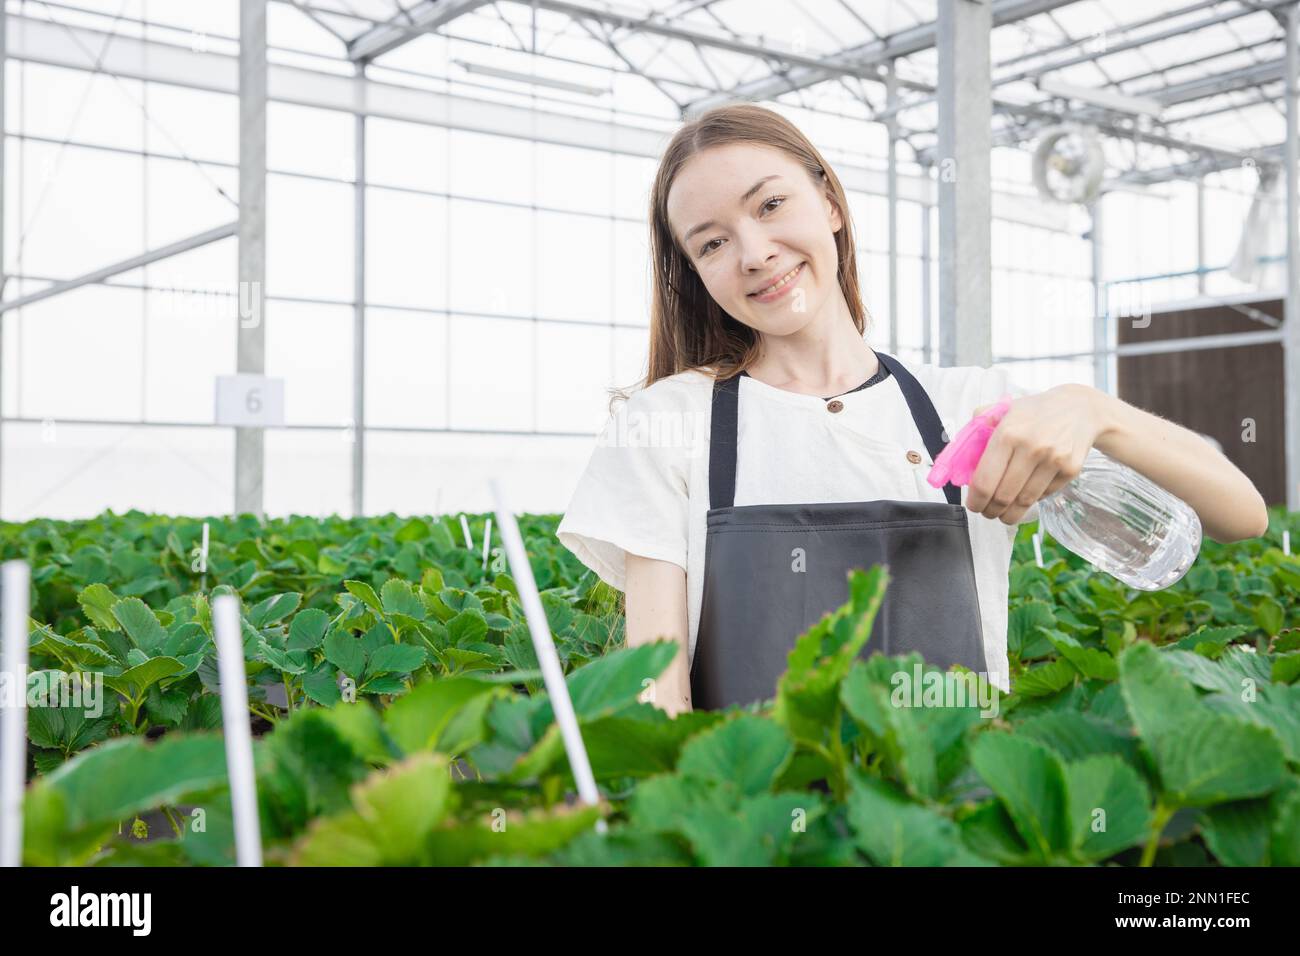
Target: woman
770,449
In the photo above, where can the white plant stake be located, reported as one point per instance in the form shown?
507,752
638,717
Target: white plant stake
239,738
464,527
203,559
1286,543
487,540
547,658
1038,547
15,579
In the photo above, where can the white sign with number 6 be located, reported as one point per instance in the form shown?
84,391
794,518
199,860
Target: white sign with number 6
248,399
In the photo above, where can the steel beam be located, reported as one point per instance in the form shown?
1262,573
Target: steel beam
860,59
1291,323
891,200
359,316
1101,307
250,443
424,17
1161,346
965,117
126,265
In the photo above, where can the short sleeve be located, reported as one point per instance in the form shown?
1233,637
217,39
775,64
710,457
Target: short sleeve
1004,383
633,496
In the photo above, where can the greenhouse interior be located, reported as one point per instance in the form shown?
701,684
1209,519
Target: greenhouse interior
935,502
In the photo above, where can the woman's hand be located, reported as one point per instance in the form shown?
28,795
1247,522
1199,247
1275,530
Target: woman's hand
1038,447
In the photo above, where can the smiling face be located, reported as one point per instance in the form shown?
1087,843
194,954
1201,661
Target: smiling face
748,216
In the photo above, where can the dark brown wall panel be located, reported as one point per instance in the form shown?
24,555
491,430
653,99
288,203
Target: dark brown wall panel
1213,390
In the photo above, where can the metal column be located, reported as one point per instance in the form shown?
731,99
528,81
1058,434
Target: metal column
359,316
250,442
927,348
4,278
1291,327
1101,378
891,127
965,140
1200,235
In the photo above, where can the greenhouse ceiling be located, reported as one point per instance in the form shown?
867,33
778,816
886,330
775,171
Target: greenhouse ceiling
1179,88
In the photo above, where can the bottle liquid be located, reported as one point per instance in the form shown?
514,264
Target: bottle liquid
1110,515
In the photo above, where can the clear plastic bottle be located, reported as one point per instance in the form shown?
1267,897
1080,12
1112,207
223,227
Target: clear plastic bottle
1123,523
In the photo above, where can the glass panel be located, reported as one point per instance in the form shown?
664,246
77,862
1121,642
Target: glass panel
631,269
190,339
573,369
310,347
309,248
575,263
406,249
308,473
406,154
448,473
492,255
72,224
76,471
406,369
492,373
98,378
301,139
571,178
477,161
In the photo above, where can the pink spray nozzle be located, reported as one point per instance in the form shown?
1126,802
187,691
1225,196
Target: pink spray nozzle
956,463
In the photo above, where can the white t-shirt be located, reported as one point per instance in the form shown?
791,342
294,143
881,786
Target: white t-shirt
646,487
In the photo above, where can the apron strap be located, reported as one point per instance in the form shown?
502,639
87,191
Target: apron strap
924,415
724,424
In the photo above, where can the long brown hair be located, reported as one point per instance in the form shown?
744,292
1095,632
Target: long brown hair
688,329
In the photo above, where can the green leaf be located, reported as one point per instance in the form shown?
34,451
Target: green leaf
1029,779
1043,680
1286,668
467,627
69,812
1109,806
399,598
273,610
807,694
307,630
1074,736
366,593
1158,699
746,752
893,831
1023,623
445,714
321,684
345,652
1269,615
140,624
1089,661
97,604
1212,758
134,682
395,659
416,529
395,811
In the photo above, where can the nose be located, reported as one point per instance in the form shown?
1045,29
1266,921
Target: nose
756,248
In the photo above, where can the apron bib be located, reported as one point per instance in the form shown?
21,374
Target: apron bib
756,601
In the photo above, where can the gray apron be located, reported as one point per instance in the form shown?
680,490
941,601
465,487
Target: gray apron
755,603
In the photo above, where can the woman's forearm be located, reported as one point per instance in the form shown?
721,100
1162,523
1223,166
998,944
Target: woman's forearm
1181,461
656,609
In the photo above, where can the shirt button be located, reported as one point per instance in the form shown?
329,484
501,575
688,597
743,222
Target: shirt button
834,406
914,457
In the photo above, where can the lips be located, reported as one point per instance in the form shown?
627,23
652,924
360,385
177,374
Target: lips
787,279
